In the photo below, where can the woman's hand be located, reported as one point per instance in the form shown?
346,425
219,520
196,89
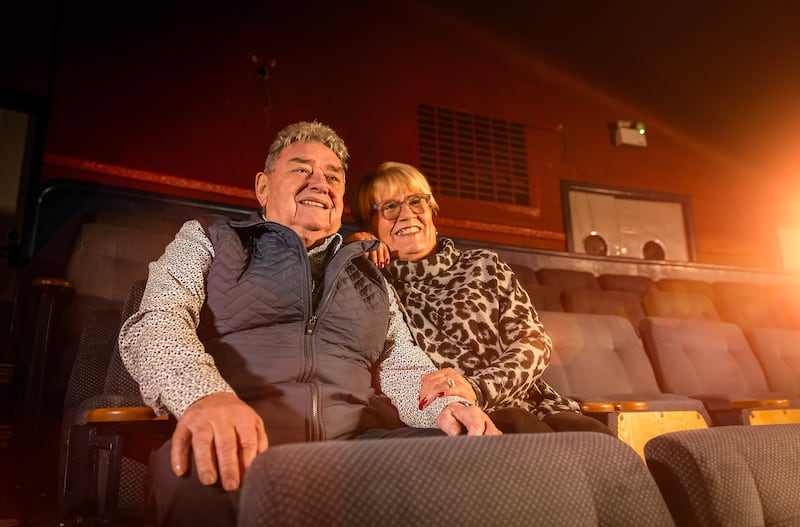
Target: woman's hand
379,256
456,418
443,383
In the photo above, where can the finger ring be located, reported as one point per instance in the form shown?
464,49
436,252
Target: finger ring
451,383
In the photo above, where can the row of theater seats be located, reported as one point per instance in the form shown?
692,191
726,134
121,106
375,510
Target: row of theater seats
662,346
691,475
724,476
747,305
598,358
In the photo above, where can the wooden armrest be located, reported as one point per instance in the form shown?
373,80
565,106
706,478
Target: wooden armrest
122,414
53,285
753,403
630,406
597,408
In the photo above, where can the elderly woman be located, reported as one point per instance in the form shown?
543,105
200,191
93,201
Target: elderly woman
466,309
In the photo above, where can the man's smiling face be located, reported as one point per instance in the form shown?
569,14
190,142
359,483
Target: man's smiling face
305,191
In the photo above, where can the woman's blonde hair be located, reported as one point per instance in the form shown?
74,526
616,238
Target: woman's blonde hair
392,176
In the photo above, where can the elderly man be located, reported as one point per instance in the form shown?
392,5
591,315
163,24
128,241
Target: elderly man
269,331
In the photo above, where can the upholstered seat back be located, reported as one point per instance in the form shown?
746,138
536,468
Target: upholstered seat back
701,357
596,354
679,304
567,278
729,475
638,284
569,478
748,306
778,352
620,303
688,285
545,297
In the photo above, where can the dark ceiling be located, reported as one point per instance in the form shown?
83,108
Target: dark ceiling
724,72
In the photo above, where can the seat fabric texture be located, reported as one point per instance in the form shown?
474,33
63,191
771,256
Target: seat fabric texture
569,478
708,360
599,358
730,475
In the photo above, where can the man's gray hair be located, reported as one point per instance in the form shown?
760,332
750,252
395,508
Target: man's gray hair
306,132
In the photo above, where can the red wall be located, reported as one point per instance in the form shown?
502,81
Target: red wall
146,90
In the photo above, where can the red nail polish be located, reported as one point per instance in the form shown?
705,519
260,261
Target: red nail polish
422,403
440,394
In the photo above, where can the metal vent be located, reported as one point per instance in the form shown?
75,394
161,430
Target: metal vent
473,157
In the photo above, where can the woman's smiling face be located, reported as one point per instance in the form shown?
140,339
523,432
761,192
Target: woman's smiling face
411,235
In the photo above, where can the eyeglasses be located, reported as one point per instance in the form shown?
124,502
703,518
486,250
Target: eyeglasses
390,209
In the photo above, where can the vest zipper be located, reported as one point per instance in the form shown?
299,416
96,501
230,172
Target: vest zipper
315,420
311,325
334,268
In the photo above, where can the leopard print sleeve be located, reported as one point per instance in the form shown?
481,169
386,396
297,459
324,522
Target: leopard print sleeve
468,311
400,372
523,347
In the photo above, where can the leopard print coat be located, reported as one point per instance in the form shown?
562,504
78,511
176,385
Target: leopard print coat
468,312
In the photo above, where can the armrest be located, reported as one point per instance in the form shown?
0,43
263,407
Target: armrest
630,406
597,408
123,414
53,287
755,403
130,431
615,406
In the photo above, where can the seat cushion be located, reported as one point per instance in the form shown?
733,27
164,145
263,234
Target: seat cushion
731,475
568,478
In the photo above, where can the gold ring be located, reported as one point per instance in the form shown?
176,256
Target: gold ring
451,383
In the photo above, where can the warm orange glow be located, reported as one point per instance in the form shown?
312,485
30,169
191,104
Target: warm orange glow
789,240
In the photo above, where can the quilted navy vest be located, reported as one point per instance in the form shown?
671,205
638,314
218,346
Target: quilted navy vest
305,363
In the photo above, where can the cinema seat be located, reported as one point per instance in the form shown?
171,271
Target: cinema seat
567,278
685,284
748,306
107,432
601,302
515,480
599,359
778,352
787,298
524,273
713,362
637,284
730,475
546,297
679,304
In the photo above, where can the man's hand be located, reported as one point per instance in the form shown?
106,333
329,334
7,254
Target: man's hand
224,434
477,423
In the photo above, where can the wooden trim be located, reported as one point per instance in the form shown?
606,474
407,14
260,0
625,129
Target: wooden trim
755,403
772,417
53,284
630,406
637,428
147,177
144,176
122,414
497,228
597,408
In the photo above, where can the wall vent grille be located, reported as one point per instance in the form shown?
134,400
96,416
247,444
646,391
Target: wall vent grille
472,156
